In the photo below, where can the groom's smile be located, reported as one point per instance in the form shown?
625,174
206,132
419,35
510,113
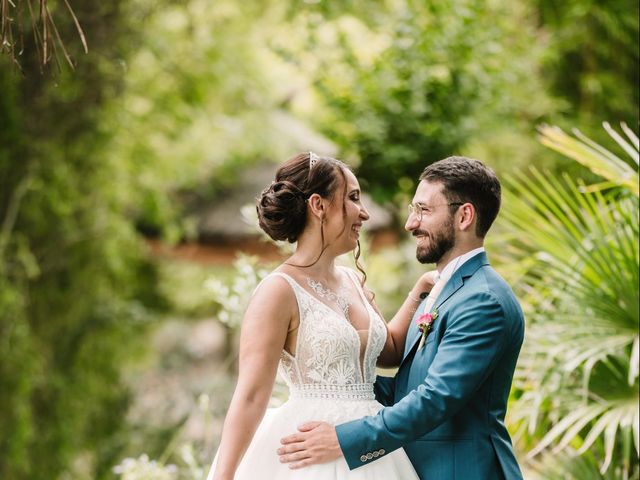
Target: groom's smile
422,238
430,209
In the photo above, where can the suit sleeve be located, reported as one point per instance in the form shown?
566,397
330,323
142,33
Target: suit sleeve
468,352
384,389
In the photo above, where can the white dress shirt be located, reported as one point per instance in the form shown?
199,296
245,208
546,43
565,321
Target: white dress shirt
451,267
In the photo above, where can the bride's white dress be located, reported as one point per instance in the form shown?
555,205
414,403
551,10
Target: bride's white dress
330,379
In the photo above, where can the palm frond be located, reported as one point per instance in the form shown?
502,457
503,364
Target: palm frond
632,150
575,247
571,466
579,240
631,136
595,158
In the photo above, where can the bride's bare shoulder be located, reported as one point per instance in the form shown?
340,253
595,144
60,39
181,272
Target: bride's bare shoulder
276,283
275,292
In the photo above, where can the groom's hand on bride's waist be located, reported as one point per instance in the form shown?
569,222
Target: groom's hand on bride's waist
315,442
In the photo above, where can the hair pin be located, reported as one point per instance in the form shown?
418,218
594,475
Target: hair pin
313,159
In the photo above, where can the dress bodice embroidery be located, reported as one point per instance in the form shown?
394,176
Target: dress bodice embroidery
328,349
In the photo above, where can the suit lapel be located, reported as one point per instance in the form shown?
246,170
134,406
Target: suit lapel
453,285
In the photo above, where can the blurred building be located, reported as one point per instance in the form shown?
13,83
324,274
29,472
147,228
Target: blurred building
227,225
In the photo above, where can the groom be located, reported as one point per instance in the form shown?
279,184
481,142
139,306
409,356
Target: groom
447,403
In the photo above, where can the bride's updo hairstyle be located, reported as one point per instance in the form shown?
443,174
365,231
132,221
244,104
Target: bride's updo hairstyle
282,208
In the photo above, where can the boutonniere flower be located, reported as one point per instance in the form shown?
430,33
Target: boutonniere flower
425,323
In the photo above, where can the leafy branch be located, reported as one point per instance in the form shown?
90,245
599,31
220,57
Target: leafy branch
47,39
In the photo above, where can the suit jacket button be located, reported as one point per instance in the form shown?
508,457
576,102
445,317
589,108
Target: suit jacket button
369,456
376,454
382,451
363,458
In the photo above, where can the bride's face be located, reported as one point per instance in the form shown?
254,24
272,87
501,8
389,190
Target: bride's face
345,216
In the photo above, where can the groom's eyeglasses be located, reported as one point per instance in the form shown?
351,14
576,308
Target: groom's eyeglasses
418,209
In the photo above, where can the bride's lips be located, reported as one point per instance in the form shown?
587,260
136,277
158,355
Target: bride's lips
356,228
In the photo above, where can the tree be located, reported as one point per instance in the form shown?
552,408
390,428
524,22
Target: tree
580,62
418,82
48,44
74,285
201,103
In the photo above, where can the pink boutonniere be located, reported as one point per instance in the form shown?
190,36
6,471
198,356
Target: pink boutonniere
425,323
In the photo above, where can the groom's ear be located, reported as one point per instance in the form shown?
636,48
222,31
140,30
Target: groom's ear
466,217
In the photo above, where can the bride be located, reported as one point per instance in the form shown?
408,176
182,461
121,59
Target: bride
314,322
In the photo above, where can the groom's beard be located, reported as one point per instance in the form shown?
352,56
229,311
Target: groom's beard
439,243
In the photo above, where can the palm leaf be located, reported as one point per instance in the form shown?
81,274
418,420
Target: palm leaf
570,466
599,160
569,426
632,150
575,250
587,250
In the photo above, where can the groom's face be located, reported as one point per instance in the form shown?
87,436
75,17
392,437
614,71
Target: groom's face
433,226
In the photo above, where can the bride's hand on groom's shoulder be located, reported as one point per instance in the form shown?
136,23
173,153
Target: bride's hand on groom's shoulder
427,280
315,442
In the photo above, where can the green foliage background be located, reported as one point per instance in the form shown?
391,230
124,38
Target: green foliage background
176,99
74,285
423,81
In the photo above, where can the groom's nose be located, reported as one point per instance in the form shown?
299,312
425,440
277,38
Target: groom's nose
412,223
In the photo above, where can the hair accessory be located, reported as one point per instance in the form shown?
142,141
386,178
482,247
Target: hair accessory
313,159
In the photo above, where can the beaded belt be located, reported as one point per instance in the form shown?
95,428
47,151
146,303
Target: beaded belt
352,391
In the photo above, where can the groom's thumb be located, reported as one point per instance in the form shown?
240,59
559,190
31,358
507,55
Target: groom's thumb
306,427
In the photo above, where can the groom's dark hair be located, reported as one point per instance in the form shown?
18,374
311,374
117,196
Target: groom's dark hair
468,181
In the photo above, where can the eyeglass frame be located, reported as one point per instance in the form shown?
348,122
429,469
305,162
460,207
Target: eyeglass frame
417,208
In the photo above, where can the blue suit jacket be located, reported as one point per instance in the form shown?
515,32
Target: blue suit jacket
447,402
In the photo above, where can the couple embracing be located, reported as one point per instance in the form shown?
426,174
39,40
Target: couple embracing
455,340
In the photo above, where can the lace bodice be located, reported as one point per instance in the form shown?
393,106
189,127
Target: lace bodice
327,361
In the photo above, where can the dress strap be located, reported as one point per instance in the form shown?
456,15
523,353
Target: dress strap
298,291
294,285
354,278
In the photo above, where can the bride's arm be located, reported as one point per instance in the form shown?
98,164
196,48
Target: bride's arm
397,327
262,337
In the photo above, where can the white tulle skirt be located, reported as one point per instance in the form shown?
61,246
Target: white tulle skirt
261,461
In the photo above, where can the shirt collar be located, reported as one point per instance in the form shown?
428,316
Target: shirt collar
456,263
